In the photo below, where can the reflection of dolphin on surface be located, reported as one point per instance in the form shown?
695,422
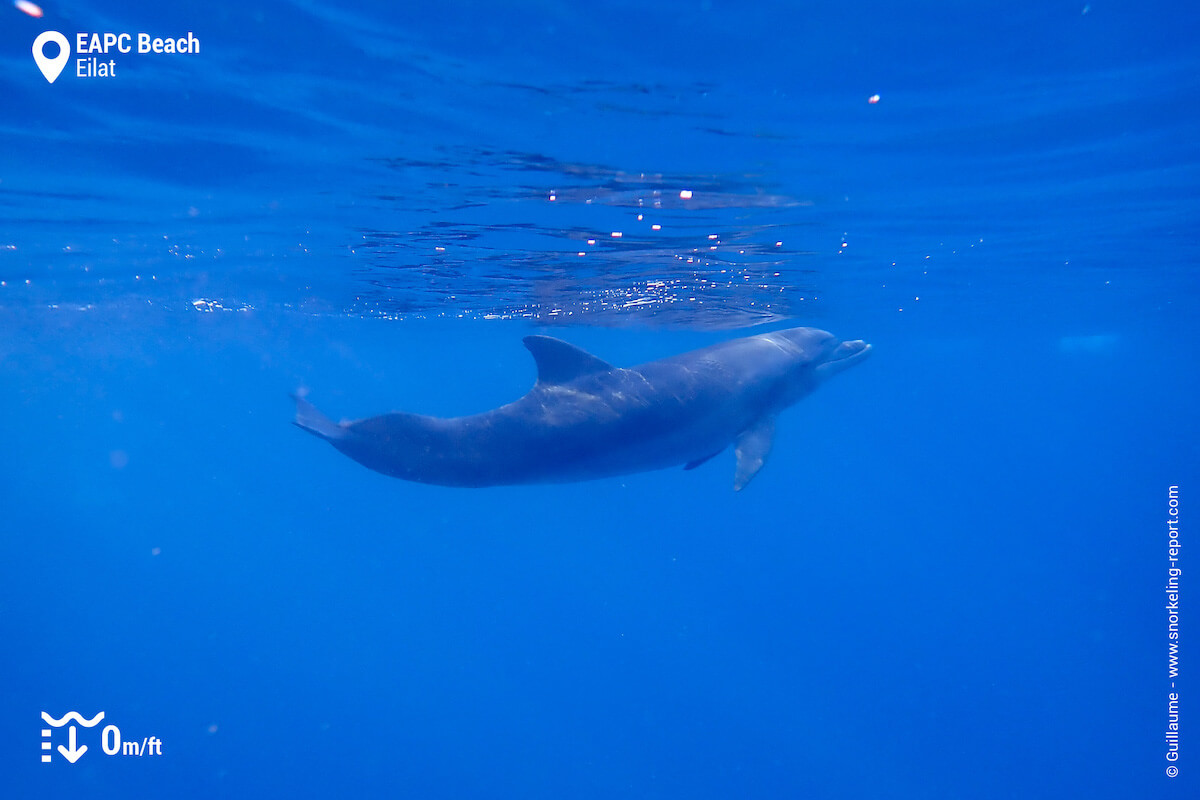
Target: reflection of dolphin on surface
587,419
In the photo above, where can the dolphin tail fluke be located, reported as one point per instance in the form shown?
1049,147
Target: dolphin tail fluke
316,423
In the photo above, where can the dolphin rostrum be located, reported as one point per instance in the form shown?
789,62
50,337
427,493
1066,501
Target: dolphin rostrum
585,418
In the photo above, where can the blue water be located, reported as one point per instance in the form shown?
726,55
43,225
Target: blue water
947,582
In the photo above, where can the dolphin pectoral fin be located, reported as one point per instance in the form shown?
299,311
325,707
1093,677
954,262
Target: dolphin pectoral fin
752,448
559,362
697,462
316,423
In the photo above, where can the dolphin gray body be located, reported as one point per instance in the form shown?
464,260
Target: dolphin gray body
586,419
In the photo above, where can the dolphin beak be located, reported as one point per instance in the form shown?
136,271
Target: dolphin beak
844,356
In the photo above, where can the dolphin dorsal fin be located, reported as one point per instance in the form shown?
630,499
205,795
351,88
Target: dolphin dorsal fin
559,362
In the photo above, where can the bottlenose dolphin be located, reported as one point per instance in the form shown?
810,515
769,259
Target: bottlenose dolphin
585,418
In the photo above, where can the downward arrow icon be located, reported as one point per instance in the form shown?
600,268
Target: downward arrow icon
72,753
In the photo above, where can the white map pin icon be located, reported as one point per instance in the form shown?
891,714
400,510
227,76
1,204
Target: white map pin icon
51,67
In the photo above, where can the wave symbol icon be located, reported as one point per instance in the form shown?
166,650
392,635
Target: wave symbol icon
72,715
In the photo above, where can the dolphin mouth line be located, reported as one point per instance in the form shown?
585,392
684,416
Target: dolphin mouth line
848,350
844,356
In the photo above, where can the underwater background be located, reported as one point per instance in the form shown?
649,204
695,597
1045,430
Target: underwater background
949,580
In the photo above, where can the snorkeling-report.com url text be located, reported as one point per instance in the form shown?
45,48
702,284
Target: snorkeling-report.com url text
1174,570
